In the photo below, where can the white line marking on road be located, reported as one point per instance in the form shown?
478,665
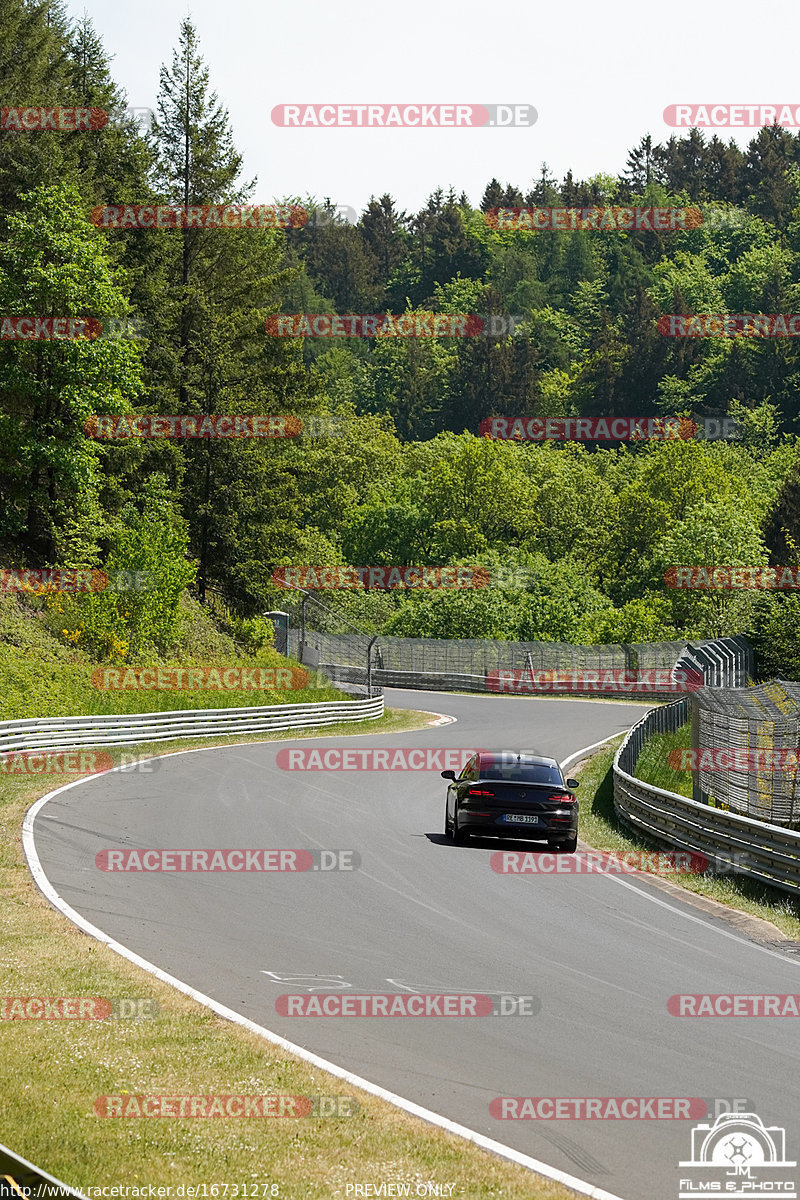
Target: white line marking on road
416,1110
594,746
647,895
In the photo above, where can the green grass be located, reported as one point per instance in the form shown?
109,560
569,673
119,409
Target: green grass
653,765
600,828
56,1069
42,676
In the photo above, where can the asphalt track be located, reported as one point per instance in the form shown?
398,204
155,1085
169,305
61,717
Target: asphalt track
601,953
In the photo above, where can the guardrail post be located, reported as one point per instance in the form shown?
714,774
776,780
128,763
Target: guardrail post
694,703
302,645
369,666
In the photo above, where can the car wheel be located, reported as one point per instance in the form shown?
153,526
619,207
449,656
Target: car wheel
448,828
460,836
567,847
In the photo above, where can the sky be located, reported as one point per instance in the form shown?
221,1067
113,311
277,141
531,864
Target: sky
599,75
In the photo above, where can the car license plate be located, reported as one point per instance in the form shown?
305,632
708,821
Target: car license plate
521,819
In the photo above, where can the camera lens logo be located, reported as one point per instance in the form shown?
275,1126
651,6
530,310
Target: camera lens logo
738,1155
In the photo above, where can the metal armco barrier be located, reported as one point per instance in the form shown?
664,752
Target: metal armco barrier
22,1178
68,733
739,844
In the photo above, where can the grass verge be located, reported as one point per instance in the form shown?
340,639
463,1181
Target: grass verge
59,1068
600,828
45,676
653,765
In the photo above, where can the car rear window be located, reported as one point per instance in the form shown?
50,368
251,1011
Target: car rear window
514,772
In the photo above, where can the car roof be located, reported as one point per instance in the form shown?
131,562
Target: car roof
521,756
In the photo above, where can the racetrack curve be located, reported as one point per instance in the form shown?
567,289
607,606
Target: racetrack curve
601,953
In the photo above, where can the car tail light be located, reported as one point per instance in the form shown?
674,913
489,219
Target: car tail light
569,799
478,792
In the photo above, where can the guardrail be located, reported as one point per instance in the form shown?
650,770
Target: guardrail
67,733
739,845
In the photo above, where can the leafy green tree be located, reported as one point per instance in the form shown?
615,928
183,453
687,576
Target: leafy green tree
712,534
774,633
53,265
640,166
551,606
770,175
138,614
475,498
492,196
645,619
111,164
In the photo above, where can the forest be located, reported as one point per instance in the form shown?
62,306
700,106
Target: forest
396,465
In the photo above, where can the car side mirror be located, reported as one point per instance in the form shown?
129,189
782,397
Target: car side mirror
573,783
448,774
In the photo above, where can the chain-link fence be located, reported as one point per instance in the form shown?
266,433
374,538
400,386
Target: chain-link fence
320,636
667,718
726,713
733,843
763,723
489,666
468,665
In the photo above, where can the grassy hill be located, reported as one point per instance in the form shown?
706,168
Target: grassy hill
44,676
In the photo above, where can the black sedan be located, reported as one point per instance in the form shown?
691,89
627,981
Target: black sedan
509,794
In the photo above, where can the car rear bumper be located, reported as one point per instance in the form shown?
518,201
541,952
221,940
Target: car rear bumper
548,830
